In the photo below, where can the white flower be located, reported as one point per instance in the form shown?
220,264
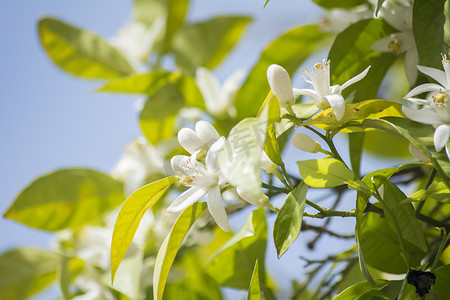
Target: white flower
139,161
435,111
339,19
281,85
218,99
325,95
399,16
136,40
305,143
202,138
202,180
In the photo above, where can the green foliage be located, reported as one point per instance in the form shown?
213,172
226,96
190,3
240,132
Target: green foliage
66,198
434,38
338,3
289,219
233,264
254,291
130,216
26,271
441,285
80,52
325,173
170,246
207,43
288,50
362,290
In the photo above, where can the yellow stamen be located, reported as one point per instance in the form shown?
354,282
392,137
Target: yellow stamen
395,46
440,99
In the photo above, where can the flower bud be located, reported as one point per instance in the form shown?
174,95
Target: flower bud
256,199
417,153
267,164
281,85
206,133
305,143
189,140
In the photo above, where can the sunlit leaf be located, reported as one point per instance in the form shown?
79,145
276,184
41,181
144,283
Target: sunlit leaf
288,50
130,216
355,145
80,52
176,12
254,291
289,219
338,3
170,246
128,276
207,43
25,272
433,39
66,198
233,264
324,173
362,290
69,268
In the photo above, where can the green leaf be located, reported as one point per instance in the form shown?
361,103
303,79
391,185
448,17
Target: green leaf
420,135
355,144
362,290
441,285
69,268
347,62
324,173
355,113
289,219
177,10
188,88
338,3
66,198
25,272
254,291
169,248
146,84
288,50
233,264
407,292
207,43
404,215
146,11
433,39
271,146
379,4
267,1
80,52
128,276
157,118
239,160
130,216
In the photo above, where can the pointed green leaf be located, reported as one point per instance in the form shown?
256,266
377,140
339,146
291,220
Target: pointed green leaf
289,219
288,50
355,144
254,291
170,246
66,198
407,292
176,13
26,271
441,285
69,268
362,290
130,216
338,3
324,173
80,52
233,264
207,43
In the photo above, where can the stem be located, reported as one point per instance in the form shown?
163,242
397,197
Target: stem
331,213
445,239
283,168
329,142
275,188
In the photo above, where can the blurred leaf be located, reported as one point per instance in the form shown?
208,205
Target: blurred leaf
362,291
288,50
157,118
254,291
420,135
324,173
437,190
128,277
26,271
130,216
441,285
207,43
338,3
347,62
289,219
66,198
356,113
355,144
376,141
80,52
68,269
407,292
177,10
265,3
233,264
239,160
404,215
170,246
146,84
433,39
188,88
271,145
146,11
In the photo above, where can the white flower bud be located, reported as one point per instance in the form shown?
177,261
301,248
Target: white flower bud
258,200
305,143
281,84
206,133
417,153
189,140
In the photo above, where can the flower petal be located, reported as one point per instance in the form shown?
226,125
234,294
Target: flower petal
209,85
382,45
211,155
436,74
216,208
189,140
441,135
309,93
355,79
280,83
186,199
423,88
206,133
337,103
411,61
424,115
